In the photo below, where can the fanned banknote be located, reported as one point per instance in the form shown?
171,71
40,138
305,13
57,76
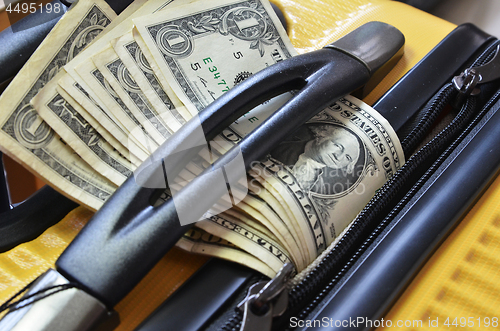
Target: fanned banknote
205,48
324,173
328,169
80,135
248,239
133,57
23,134
86,84
198,241
108,121
118,76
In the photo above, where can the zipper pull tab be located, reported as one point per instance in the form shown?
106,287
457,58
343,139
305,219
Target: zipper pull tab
491,70
266,300
467,81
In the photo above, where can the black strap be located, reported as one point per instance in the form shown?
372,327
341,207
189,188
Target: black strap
4,190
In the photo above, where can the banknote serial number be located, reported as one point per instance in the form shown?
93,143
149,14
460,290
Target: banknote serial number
222,85
30,8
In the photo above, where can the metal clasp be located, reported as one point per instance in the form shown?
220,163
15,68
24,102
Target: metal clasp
266,300
467,81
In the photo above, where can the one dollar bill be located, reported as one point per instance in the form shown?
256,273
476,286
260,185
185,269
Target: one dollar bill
328,170
80,135
26,137
205,48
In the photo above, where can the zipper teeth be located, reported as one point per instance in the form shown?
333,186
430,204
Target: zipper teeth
318,276
234,324
395,211
315,281
375,208
430,114
297,293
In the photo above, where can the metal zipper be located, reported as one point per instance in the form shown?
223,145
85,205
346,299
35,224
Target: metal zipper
464,85
266,300
296,294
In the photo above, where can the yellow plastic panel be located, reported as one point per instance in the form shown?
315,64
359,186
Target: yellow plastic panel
316,23
21,265
462,279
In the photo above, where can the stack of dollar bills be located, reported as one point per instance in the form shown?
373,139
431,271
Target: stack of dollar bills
102,92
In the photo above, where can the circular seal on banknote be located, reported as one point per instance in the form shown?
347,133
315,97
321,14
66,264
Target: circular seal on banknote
142,62
174,42
245,23
111,91
30,130
241,77
93,24
324,158
126,80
